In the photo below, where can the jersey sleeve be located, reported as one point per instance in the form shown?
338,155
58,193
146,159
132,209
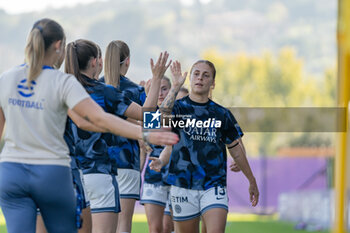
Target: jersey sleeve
143,97
116,102
72,92
231,129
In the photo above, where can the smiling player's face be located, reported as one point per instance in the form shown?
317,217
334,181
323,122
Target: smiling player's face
201,79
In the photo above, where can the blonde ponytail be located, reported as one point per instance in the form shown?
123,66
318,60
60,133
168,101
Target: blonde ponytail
43,34
112,65
116,53
34,54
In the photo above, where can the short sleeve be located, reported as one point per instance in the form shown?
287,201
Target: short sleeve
143,97
116,102
231,129
72,92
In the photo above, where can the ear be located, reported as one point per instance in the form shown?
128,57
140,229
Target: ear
57,45
127,62
213,85
93,62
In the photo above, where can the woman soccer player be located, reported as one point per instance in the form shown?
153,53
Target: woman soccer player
155,190
117,63
95,151
34,163
197,169
83,204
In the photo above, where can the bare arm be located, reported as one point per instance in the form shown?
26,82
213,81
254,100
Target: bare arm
143,154
158,163
237,151
134,111
82,123
93,113
178,80
2,122
158,71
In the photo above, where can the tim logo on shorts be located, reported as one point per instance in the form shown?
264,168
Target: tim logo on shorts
151,120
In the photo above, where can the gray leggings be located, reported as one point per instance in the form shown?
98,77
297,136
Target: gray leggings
25,187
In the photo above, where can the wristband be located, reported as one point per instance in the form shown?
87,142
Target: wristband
145,138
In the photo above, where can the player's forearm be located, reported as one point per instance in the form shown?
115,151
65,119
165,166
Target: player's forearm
82,123
169,100
119,126
152,95
142,158
92,112
165,155
239,156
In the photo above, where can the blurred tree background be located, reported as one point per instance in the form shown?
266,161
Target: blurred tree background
271,53
269,80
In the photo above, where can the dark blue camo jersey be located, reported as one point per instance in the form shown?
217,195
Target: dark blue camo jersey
198,161
69,139
94,151
126,152
153,177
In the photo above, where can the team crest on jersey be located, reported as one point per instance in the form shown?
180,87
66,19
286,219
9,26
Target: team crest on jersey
24,90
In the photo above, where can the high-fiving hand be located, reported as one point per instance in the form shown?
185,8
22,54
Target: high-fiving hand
178,78
158,69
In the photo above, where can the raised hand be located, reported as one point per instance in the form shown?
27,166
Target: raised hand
158,69
156,164
178,78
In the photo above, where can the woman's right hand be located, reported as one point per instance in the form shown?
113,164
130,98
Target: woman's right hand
162,138
158,69
177,77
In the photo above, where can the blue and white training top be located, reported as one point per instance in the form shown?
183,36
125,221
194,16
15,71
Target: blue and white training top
198,161
36,115
95,151
126,152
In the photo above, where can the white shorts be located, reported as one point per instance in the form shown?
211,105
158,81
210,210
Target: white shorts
129,181
188,204
102,190
155,194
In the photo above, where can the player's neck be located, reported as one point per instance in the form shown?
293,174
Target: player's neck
88,73
198,98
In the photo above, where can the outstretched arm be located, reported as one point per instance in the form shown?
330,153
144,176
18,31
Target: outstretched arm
134,110
82,123
178,80
93,113
237,151
158,71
